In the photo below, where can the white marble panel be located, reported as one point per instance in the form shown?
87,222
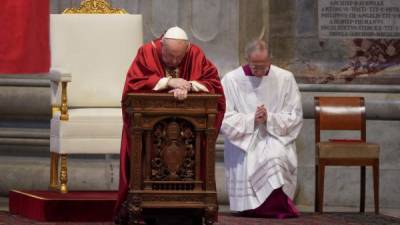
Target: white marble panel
205,19
164,14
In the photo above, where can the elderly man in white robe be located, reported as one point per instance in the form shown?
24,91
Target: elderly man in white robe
262,120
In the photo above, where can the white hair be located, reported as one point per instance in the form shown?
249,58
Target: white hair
183,43
255,45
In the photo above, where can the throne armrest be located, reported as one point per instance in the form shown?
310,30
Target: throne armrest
58,87
59,75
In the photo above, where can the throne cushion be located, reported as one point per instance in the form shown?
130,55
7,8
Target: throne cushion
88,131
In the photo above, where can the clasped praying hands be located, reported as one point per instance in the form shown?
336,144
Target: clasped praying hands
260,115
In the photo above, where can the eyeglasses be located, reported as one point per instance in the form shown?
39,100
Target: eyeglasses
258,67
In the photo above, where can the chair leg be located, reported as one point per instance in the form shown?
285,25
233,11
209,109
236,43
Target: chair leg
321,174
362,190
63,174
376,185
316,199
53,171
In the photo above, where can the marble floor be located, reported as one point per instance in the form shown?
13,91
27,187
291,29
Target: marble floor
302,208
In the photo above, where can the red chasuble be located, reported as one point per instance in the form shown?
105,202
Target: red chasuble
145,72
24,36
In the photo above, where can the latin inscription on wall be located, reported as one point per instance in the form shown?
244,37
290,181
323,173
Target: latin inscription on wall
359,19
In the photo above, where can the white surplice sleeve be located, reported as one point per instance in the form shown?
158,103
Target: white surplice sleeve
286,124
237,127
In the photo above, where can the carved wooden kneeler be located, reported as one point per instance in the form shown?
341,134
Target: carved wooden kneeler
172,155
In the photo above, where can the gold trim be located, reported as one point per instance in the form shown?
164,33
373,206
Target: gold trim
94,7
63,174
30,195
64,102
55,110
64,199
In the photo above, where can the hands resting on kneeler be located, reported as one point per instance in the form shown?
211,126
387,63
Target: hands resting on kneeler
180,87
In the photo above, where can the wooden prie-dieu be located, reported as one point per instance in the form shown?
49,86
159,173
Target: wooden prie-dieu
172,155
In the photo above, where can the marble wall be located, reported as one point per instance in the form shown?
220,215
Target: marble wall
296,45
212,24
220,27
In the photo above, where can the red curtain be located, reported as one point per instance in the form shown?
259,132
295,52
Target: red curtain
24,36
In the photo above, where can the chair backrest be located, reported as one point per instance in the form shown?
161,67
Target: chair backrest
339,113
97,49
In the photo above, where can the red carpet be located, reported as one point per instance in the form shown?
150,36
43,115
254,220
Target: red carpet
96,208
82,206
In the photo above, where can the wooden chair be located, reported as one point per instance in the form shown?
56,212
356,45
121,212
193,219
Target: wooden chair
343,113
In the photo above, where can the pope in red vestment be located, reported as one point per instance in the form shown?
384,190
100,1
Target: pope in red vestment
170,64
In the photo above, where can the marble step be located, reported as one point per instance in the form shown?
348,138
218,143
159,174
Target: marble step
24,133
